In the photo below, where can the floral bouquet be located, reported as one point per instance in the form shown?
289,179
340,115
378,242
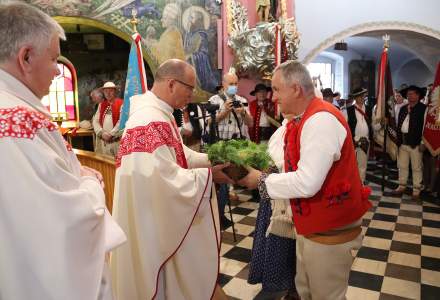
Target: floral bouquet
240,153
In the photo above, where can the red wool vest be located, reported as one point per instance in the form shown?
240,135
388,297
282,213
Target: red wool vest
116,110
255,110
342,199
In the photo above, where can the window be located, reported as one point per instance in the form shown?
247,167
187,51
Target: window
324,72
62,98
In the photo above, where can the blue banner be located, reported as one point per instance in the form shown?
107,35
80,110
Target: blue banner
133,83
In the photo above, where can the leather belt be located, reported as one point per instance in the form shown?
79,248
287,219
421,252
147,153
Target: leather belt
336,237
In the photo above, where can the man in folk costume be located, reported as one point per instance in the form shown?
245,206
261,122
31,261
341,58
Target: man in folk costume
54,225
359,124
261,110
163,199
106,121
410,124
322,182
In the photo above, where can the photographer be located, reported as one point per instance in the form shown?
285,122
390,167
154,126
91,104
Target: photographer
232,120
233,117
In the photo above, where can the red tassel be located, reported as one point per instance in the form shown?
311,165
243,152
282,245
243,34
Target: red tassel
366,191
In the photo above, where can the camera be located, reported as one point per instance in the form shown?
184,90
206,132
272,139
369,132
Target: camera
211,108
236,103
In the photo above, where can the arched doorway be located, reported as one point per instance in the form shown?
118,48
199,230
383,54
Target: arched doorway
151,63
99,53
414,52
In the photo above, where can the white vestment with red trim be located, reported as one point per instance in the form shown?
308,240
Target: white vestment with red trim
163,202
54,225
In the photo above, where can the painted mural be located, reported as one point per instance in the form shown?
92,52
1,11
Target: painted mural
185,29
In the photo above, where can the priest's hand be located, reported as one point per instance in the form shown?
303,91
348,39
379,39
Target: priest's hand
86,171
251,179
218,176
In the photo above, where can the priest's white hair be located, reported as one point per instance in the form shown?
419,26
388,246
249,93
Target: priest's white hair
22,24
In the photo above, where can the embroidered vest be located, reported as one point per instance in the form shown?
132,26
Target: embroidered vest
342,199
256,110
115,107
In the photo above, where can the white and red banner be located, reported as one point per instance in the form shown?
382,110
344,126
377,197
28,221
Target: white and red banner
278,59
383,109
431,132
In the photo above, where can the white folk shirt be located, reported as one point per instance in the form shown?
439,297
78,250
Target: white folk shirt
361,129
54,226
281,219
405,124
102,146
171,223
322,138
264,121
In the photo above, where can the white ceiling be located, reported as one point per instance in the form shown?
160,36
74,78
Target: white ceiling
404,47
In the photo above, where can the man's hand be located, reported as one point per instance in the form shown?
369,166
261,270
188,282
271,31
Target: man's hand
228,105
218,176
107,137
86,171
251,179
186,132
240,110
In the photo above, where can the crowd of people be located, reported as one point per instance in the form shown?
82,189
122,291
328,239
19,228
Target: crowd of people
169,200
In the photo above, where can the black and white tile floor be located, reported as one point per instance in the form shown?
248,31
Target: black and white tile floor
399,258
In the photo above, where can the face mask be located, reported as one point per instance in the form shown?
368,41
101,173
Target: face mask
231,90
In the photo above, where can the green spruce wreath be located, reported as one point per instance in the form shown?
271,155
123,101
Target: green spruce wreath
240,153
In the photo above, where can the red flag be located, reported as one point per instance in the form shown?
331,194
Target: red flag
281,55
384,108
431,132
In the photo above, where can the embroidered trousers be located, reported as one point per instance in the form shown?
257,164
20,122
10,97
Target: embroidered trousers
407,155
362,160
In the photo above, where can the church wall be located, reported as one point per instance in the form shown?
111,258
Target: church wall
414,72
318,20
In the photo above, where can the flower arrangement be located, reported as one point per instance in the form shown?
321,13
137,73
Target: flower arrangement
240,153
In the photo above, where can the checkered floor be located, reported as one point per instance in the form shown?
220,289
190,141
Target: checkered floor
399,259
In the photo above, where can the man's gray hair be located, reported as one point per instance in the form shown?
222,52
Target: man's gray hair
295,72
22,24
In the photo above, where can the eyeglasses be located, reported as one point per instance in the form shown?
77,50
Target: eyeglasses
192,88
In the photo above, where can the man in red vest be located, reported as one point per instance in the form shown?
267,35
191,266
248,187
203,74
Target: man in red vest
106,121
262,109
322,182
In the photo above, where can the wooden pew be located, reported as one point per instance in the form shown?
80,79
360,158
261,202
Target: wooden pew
104,164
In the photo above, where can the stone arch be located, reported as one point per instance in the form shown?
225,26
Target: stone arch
371,26
199,94
152,63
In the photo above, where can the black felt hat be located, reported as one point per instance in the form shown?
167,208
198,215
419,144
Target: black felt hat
260,87
358,91
418,90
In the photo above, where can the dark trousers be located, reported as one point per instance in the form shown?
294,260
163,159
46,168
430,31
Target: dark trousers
222,198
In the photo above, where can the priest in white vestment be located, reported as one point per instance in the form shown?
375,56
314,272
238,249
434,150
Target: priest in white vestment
163,200
55,229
